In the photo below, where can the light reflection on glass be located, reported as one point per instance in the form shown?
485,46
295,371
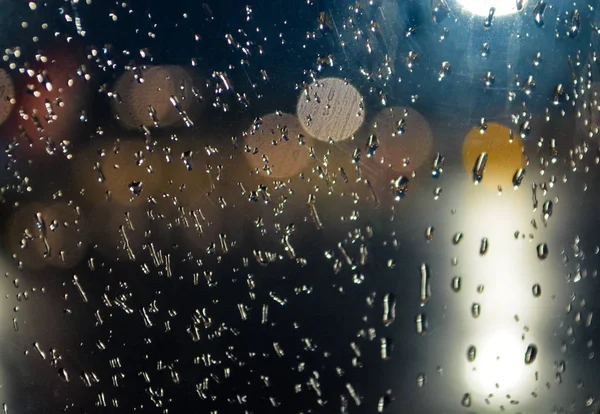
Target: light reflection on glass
484,7
499,365
501,281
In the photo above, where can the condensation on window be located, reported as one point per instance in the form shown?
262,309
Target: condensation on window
301,206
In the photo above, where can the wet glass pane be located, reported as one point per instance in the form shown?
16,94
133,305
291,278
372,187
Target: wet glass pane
300,206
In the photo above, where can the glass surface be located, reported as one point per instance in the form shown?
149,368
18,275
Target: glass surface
316,206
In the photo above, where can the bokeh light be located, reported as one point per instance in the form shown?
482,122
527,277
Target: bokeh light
7,95
52,102
331,108
503,151
158,96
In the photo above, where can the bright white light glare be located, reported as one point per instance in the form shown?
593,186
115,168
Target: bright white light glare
482,7
500,363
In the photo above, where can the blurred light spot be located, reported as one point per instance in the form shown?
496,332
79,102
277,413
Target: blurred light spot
504,153
331,108
483,7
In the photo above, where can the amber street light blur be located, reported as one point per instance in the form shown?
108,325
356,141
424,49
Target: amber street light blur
158,96
493,154
121,170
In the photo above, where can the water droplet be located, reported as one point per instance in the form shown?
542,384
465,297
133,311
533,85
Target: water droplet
400,127
387,347
411,60
471,353
64,374
518,177
519,5
421,323
538,13
440,10
479,167
483,126
560,96
355,397
444,70
372,146
384,402
466,400
529,85
38,348
537,290
421,380
389,309
444,35
456,283
425,284
542,251
356,156
186,157
489,79
553,151
531,354
438,166
483,248
457,238
487,23
476,310
136,187
429,232
525,129
575,25
485,50
547,209
400,187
